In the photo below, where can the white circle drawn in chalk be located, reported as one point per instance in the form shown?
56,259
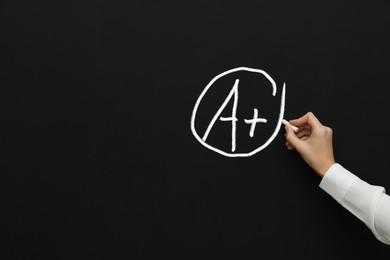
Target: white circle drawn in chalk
233,119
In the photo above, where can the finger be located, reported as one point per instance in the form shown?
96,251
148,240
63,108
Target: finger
307,127
289,146
308,119
304,138
303,133
291,137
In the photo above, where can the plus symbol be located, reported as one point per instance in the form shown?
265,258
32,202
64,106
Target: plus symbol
254,121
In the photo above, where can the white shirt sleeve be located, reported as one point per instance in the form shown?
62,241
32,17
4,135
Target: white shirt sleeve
368,202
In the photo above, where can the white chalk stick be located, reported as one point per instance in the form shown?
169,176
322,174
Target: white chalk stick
293,127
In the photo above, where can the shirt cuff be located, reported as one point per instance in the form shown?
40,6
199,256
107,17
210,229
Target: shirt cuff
337,181
354,194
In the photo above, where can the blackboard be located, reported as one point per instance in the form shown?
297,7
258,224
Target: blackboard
98,157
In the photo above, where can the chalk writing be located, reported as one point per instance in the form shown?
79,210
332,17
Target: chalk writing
234,94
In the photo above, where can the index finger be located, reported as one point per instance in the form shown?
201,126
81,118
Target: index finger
308,119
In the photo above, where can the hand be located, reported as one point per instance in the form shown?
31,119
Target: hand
313,141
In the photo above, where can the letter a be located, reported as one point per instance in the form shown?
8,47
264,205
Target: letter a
233,118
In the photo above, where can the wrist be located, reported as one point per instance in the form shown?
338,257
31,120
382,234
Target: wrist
324,168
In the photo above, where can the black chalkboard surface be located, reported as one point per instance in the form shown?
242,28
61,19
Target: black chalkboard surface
99,160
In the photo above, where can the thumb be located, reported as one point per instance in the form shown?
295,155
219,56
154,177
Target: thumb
291,137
